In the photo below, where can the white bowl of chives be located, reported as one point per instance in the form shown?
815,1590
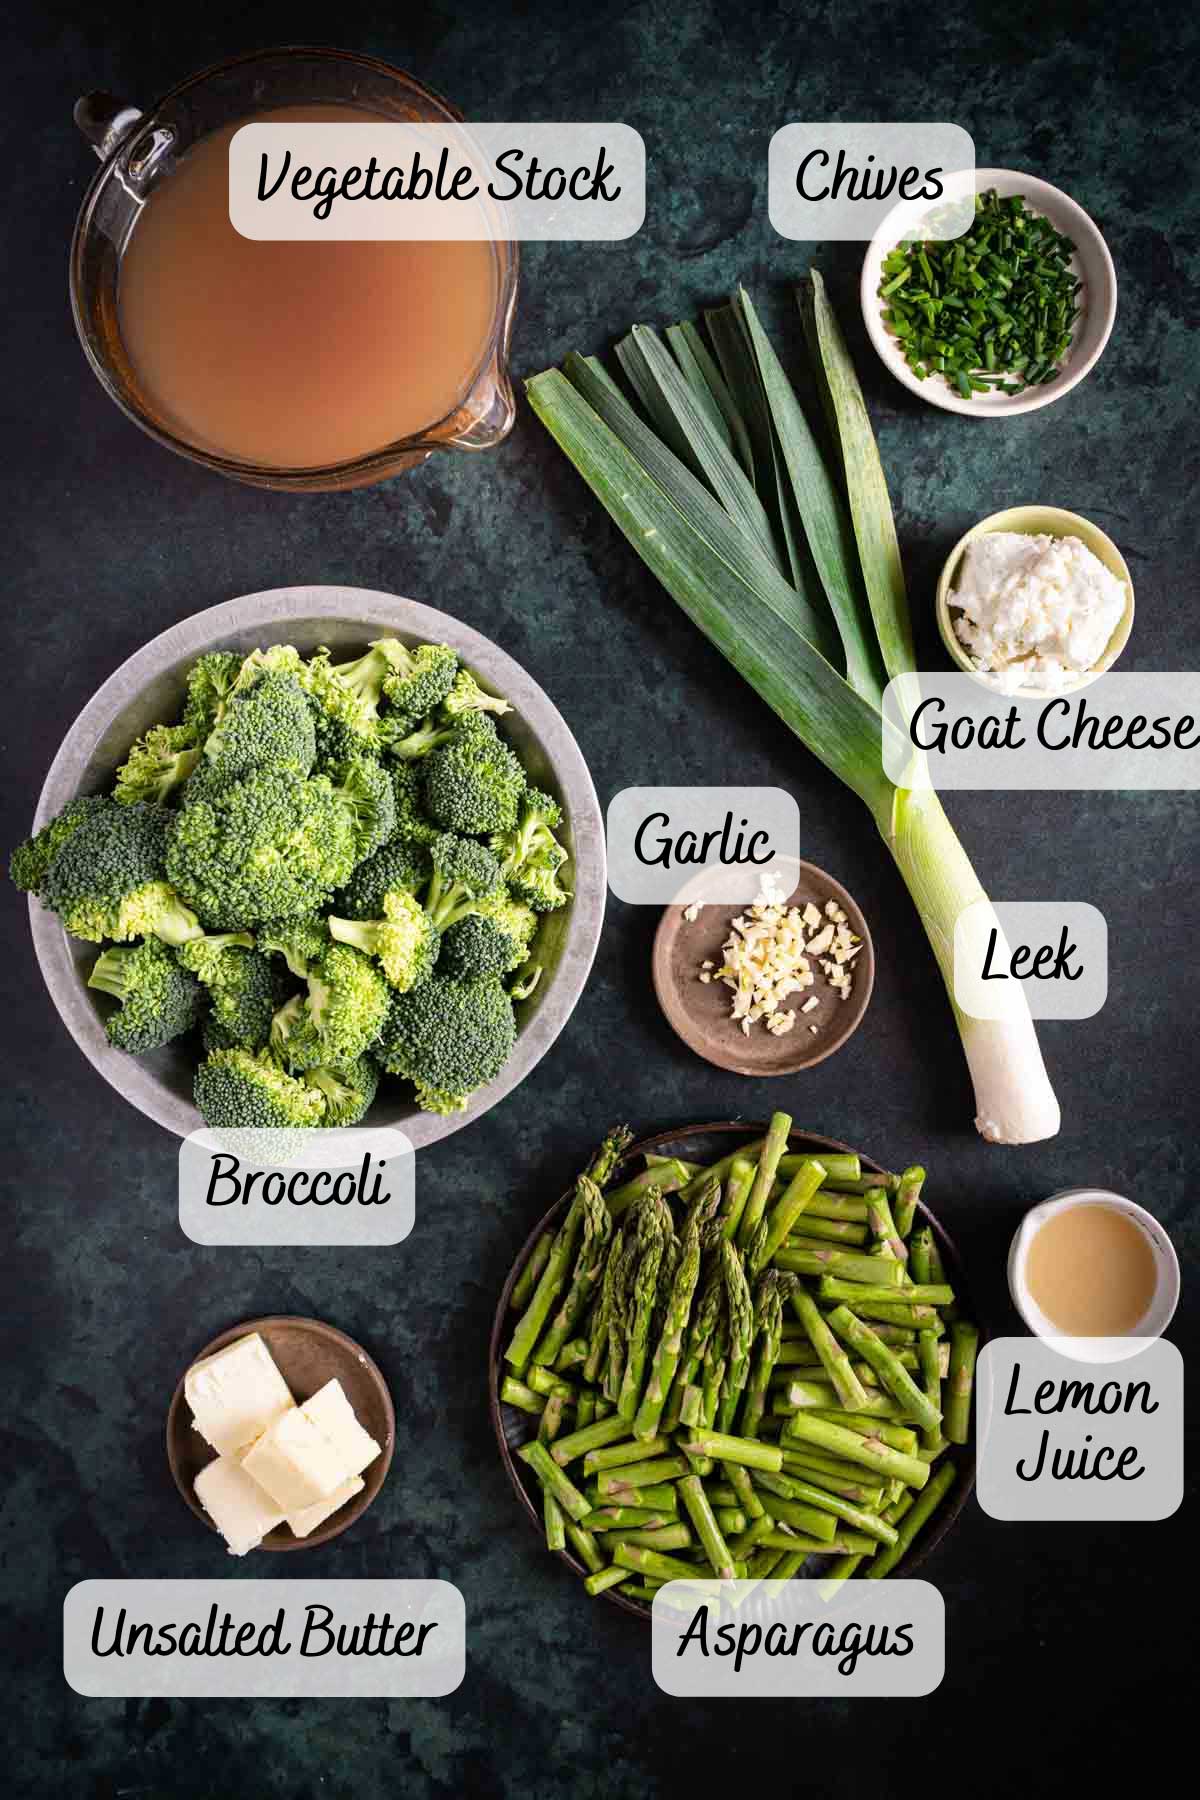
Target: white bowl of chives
1091,262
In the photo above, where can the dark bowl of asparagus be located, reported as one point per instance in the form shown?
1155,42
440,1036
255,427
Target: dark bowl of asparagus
751,1362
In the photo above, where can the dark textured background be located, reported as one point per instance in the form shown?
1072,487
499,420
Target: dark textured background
1060,1665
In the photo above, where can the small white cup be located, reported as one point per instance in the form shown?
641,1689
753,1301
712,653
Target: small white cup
1166,1287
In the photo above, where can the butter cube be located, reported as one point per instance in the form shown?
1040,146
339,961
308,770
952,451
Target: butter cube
237,1506
236,1394
309,1517
295,1463
335,1419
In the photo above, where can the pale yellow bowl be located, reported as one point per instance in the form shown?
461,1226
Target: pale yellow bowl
1054,522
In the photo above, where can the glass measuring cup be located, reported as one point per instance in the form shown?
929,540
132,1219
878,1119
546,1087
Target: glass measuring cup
139,150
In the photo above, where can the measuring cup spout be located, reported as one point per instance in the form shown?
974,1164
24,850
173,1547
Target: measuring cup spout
105,121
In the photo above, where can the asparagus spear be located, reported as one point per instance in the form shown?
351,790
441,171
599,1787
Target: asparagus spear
743,1489
861,1184
515,1393
833,1359
740,1310
613,1518
931,1377
676,1536
558,1266
650,1244
707,1530
721,1168
589,1266
545,1381
604,1163
883,1359
860,1517
614,1455
818,1232
774,1145
843,1487
603,1579
553,1522
788,1208
840,1165
920,1317
768,1310
899,1437
917,1516
907,1195
668,1177
920,1246
737,1192
731,1519
585,1409
749,1452
856,1293
705,1314
814,1521
838,1572
658,1497
883,1226
585,1547
597,1356
964,1343
653,1562
851,1265
554,1481
713,1377
590,1437
615,1484
820,1396
527,1280
572,1356
751,1535
848,1209
669,1348
937,1274
870,1452
551,1421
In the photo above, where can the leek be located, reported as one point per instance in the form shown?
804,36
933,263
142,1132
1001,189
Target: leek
786,557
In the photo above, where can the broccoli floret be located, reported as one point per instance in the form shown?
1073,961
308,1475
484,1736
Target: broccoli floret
437,1100
410,820
466,696
239,1089
348,1093
464,875
365,675
271,846
449,1035
31,860
405,939
299,941
401,865
407,745
521,990
209,684
418,680
473,783
339,1018
482,944
159,761
345,721
110,880
537,882
159,1000
366,788
242,985
539,817
268,724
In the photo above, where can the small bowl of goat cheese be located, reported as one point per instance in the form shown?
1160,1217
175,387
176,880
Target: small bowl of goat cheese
1036,600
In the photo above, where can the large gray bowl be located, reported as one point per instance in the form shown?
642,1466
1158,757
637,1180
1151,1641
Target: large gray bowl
149,687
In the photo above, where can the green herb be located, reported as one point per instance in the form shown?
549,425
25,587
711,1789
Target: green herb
994,309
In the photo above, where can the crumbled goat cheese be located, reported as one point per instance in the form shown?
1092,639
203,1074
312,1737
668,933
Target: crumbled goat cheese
1034,610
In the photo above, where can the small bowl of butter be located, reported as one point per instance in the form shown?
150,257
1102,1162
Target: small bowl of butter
1036,601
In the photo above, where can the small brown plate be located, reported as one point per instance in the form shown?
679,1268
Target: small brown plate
308,1354
701,1143
699,1011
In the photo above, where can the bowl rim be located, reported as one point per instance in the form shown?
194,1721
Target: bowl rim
938,393
277,609
679,1019
336,1523
1065,524
662,1140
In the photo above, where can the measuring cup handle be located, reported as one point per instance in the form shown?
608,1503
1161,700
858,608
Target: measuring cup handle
105,121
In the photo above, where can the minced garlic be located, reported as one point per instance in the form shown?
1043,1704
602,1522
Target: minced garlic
768,957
